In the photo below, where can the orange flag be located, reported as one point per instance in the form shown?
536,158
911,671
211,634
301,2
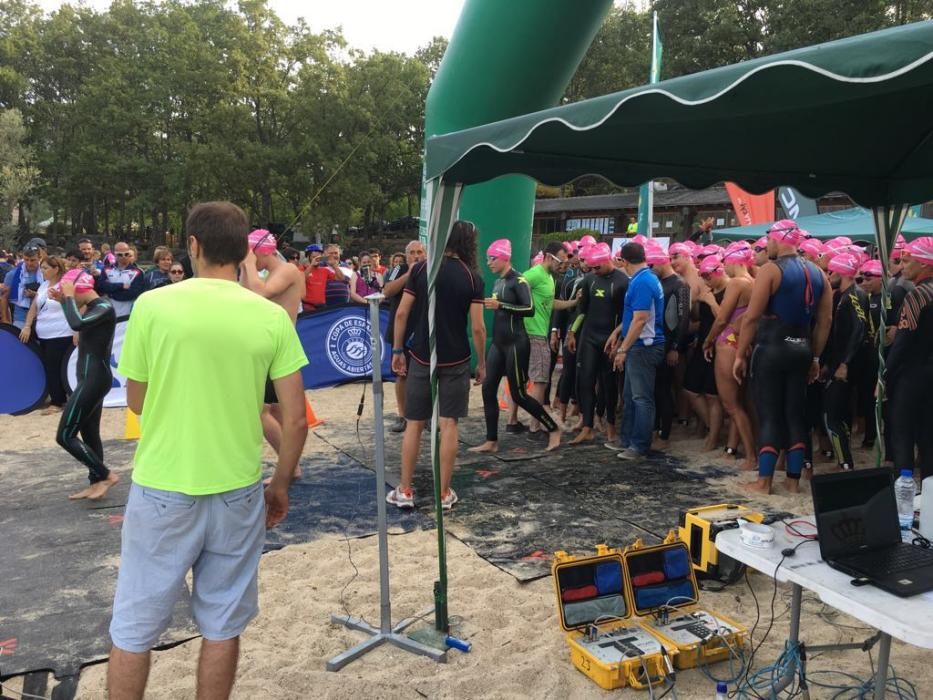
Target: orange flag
751,208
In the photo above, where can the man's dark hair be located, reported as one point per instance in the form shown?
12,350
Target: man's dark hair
462,242
85,240
75,254
633,253
221,229
375,251
553,248
291,254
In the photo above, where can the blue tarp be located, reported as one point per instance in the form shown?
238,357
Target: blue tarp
856,223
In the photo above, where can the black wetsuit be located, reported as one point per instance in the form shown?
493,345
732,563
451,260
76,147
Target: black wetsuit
700,377
868,376
846,346
780,363
909,376
509,352
563,288
676,329
567,387
95,379
600,308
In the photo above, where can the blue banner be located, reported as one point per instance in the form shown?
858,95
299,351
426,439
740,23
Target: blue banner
338,343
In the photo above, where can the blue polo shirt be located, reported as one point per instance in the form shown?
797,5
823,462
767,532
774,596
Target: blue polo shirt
645,294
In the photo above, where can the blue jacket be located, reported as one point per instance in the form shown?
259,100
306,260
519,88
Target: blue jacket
13,277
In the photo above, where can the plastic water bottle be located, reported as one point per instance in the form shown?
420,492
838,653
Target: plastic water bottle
904,491
722,691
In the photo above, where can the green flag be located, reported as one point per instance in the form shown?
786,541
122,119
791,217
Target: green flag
646,192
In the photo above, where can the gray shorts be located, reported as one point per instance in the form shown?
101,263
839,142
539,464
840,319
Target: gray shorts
165,534
539,360
453,391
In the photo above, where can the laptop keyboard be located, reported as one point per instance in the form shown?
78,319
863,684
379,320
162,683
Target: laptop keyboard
890,561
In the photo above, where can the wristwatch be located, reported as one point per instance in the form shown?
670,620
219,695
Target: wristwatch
397,351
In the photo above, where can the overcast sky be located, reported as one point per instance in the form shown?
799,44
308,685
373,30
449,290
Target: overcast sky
387,25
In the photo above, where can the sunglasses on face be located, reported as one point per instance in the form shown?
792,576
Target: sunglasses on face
555,258
122,255
491,259
176,272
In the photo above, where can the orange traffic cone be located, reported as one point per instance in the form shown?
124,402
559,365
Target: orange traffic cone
313,420
503,404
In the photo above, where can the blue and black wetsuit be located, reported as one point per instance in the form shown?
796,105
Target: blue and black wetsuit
780,363
83,410
567,387
509,353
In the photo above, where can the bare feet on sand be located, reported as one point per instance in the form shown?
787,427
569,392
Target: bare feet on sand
553,440
761,486
711,444
488,446
97,490
749,464
792,485
586,435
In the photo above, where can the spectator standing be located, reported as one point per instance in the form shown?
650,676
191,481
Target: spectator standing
196,502
122,282
52,331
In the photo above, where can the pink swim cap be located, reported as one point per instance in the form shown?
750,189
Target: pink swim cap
638,238
599,255
680,249
587,240
584,253
871,269
262,242
538,259
82,281
811,247
786,231
844,264
501,249
739,253
859,252
761,243
568,246
707,250
712,265
921,249
656,255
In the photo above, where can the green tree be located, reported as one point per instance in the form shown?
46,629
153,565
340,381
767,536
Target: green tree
18,173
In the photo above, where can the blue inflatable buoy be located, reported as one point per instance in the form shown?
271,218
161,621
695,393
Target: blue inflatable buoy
22,375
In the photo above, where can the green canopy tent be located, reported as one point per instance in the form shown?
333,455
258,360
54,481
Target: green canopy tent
851,115
856,223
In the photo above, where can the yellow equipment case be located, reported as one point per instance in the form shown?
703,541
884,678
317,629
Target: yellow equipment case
605,643
661,584
698,529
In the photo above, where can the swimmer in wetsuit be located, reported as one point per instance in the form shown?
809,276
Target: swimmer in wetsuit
845,358
509,351
600,306
788,317
82,412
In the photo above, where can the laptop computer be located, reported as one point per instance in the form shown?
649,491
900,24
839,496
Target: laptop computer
859,533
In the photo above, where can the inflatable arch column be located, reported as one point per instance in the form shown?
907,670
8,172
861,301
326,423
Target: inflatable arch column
506,58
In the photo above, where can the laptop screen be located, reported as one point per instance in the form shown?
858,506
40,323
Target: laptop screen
855,511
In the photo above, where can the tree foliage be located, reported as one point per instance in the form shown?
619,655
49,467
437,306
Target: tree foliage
134,113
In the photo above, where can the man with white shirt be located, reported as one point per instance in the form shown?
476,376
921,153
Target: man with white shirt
122,282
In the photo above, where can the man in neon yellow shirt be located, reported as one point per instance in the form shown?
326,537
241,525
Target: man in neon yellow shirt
196,356
540,279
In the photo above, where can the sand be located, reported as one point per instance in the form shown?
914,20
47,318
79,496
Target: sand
518,648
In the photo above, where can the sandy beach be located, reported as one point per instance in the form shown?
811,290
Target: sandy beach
518,648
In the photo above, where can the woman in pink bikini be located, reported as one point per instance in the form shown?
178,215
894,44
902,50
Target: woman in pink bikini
723,339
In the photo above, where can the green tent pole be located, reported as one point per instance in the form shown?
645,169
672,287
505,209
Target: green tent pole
504,59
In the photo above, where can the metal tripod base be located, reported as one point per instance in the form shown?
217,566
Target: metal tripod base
378,638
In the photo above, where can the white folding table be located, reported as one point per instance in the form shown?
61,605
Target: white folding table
908,619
